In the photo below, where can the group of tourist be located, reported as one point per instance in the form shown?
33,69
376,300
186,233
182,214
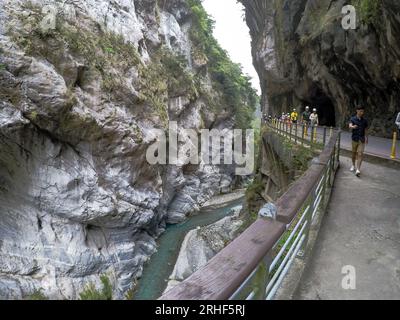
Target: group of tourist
307,117
358,126
310,118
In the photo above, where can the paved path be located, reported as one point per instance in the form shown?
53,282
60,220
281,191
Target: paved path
361,228
377,146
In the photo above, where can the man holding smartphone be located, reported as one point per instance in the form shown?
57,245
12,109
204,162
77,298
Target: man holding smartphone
359,126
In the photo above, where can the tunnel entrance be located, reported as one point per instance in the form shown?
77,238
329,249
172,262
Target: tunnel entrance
326,109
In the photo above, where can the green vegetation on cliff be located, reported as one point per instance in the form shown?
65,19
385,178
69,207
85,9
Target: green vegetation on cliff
103,50
37,295
368,10
91,293
238,94
167,75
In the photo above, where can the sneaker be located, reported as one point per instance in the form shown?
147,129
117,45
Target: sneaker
352,169
358,173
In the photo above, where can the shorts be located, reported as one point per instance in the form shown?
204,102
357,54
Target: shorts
358,146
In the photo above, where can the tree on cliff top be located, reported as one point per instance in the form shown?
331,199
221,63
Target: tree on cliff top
238,93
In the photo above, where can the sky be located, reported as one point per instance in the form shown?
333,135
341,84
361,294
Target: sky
232,33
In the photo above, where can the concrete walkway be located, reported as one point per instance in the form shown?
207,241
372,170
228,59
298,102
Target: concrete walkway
362,229
381,147
377,146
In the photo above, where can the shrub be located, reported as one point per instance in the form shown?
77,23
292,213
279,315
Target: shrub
91,293
301,158
37,295
368,10
254,190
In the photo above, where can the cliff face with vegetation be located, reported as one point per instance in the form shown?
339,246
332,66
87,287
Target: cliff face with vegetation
78,103
305,57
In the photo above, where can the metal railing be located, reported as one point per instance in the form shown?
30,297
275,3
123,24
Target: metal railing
254,265
314,136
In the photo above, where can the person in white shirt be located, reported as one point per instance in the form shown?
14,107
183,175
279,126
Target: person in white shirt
398,123
314,118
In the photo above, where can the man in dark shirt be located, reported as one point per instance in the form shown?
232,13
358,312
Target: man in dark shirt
359,126
306,116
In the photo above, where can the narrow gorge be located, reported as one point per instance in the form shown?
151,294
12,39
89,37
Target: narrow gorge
85,84
82,86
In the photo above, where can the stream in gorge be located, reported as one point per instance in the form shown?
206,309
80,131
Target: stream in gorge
160,266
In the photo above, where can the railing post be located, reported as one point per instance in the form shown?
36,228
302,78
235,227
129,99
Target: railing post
324,140
286,130
295,137
291,132
312,138
302,134
393,154
315,134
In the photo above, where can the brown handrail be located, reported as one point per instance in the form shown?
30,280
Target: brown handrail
224,273
219,279
289,203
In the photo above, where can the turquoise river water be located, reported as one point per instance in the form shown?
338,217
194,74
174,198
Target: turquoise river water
157,271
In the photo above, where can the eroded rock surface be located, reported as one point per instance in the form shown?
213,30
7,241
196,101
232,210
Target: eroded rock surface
77,107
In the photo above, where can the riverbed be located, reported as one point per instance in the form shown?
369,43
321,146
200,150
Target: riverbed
157,271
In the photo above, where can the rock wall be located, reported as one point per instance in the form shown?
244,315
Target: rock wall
304,57
77,104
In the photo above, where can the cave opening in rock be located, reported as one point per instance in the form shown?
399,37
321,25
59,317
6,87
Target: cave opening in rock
324,105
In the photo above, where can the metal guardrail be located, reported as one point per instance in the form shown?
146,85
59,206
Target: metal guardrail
314,136
254,265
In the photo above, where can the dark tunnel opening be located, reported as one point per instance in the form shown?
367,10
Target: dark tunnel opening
325,108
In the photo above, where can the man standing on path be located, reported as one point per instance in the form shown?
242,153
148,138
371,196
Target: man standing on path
305,118
359,126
